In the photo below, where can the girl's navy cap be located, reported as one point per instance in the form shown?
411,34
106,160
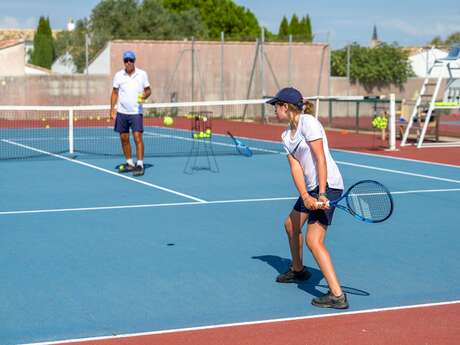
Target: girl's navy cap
288,95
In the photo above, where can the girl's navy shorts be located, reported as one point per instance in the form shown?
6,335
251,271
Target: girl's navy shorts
322,216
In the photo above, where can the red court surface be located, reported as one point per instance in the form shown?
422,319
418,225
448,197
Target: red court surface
422,325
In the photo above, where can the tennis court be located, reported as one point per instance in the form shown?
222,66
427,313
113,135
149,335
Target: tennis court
88,253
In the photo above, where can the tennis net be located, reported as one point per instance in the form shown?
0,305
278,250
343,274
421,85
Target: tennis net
37,131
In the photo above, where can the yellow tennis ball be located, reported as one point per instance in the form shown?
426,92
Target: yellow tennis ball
168,121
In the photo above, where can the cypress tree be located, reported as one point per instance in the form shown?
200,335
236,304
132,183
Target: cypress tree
43,53
294,27
283,31
309,31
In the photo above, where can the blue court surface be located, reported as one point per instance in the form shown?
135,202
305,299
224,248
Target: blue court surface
87,252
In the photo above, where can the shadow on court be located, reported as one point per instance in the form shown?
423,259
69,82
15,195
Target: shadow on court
282,265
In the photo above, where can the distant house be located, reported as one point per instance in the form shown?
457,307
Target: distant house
13,60
100,64
64,65
12,57
421,60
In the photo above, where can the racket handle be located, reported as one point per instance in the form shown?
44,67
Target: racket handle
321,204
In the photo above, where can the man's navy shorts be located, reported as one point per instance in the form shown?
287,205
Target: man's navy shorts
124,122
322,216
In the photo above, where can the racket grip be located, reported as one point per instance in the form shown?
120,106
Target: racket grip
321,204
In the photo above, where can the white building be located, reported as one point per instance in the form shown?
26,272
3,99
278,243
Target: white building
64,65
13,60
422,60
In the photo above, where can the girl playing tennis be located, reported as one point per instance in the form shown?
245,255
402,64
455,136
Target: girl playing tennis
317,178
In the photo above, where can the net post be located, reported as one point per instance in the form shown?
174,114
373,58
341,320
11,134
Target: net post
317,107
392,120
71,137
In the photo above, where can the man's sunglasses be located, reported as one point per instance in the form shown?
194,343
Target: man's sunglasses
128,60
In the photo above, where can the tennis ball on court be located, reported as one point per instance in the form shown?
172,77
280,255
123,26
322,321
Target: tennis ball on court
121,167
168,121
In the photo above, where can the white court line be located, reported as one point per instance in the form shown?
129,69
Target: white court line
396,158
398,172
152,134
251,323
104,170
235,201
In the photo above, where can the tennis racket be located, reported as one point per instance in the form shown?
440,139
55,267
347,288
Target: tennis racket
240,147
368,201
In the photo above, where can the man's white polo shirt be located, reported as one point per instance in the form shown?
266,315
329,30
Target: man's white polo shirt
129,87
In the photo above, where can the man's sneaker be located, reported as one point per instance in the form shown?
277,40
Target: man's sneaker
328,300
293,277
125,168
138,170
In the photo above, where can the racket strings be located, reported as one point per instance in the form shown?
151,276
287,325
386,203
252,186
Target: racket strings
370,200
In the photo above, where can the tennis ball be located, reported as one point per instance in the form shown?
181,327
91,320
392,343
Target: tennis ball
121,167
168,121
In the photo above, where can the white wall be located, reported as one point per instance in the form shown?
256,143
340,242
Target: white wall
422,62
101,64
64,65
12,60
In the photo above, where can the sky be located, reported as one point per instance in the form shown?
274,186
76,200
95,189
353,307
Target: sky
339,22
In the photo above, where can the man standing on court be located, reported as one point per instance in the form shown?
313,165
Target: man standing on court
130,88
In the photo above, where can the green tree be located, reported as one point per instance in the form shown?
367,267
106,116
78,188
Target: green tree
308,29
156,22
295,28
235,21
113,19
450,40
373,67
73,42
283,31
305,34
43,53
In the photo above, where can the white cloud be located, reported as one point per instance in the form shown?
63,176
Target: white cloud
15,23
422,28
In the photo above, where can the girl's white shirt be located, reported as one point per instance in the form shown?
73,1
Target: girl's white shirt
298,145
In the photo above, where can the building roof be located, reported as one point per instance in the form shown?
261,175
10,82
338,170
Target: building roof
10,43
